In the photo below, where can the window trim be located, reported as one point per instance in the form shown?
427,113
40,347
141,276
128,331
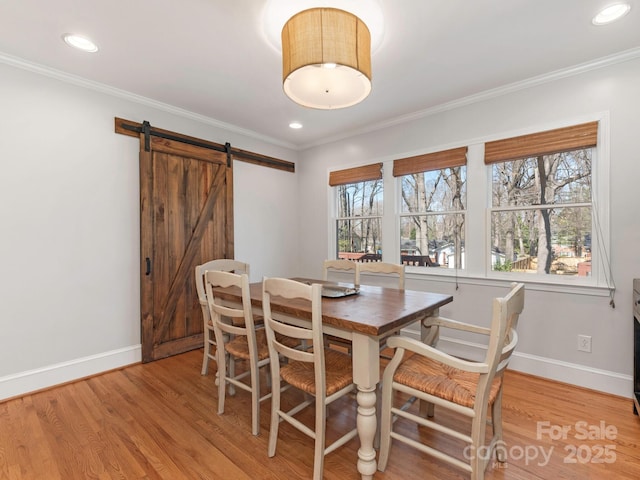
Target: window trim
478,215
337,178
423,163
600,276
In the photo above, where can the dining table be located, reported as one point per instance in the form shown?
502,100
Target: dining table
365,315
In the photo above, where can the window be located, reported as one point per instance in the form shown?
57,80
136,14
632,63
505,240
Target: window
432,213
359,196
541,215
527,208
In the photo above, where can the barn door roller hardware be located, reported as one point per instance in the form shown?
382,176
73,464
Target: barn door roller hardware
134,129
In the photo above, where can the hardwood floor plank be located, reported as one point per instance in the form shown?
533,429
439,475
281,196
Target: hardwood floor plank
23,443
158,421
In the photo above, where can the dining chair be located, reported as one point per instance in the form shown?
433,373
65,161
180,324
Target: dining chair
469,388
382,268
237,338
324,375
225,265
385,269
339,265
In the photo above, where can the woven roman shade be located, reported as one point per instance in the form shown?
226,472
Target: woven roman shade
357,174
544,143
455,157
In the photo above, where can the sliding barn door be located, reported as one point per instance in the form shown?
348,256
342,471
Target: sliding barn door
186,217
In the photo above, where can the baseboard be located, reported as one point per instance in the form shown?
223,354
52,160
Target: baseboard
32,380
571,373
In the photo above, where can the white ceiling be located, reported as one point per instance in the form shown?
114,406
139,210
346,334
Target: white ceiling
211,57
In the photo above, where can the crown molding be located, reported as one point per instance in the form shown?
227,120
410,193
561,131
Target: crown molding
132,97
624,56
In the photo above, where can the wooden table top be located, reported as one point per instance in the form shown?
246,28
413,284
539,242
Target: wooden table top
375,311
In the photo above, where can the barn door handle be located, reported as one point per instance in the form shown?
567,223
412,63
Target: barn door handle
148,262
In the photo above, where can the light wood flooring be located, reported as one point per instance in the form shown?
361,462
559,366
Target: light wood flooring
159,421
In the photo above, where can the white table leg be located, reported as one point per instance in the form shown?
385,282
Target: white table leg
366,375
367,424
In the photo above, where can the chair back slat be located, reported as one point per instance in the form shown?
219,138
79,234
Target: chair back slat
223,264
221,279
392,269
291,289
503,338
507,351
341,265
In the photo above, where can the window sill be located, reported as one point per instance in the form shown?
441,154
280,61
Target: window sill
449,276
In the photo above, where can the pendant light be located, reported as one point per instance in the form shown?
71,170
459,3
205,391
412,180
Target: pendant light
326,58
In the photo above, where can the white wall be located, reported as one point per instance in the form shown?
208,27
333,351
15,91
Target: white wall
69,224
69,227
266,216
552,320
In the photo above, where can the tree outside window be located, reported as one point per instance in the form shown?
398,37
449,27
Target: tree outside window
358,223
535,209
541,216
433,214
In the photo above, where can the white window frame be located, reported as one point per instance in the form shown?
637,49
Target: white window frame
401,214
600,241
334,218
477,218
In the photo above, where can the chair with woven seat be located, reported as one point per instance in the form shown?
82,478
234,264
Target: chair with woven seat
238,339
324,375
225,265
468,388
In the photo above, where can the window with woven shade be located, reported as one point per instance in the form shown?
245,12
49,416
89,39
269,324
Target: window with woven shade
358,214
433,208
542,212
530,208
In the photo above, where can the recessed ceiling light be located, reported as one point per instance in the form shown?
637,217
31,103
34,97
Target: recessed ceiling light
611,13
80,42
295,125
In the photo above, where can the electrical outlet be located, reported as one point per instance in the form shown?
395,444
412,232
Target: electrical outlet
584,343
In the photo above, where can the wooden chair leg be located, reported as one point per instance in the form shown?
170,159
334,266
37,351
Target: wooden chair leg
478,461
275,407
385,427
376,439
222,382
496,421
321,418
207,352
232,373
255,399
427,409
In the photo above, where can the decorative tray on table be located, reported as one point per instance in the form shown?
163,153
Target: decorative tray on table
336,291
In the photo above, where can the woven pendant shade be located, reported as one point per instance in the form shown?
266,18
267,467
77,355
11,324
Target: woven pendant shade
326,58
